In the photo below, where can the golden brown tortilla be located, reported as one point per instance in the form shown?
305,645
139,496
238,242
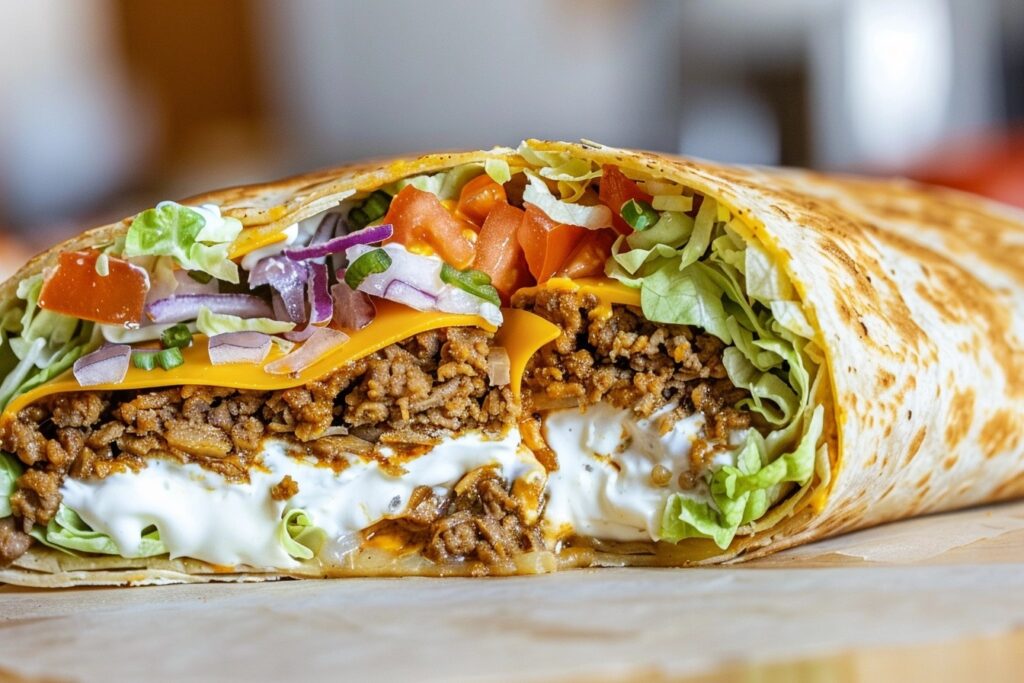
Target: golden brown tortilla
916,293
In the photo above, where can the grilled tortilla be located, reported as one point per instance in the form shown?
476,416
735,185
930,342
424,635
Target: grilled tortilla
808,356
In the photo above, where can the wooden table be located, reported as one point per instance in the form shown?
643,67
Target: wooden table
940,598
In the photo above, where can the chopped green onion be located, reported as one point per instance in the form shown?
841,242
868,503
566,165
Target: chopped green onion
144,360
476,282
639,214
178,336
169,358
370,263
373,208
200,277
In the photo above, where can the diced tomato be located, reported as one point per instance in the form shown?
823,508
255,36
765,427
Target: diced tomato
498,252
616,190
420,219
478,197
74,288
590,255
547,244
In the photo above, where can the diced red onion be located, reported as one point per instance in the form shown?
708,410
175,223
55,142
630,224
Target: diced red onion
176,309
280,310
376,233
189,285
301,335
321,306
107,365
324,340
422,272
454,300
411,296
287,278
499,367
353,310
327,229
239,347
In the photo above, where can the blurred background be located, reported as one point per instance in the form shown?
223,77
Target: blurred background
107,106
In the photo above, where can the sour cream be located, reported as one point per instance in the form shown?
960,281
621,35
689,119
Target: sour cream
602,487
201,515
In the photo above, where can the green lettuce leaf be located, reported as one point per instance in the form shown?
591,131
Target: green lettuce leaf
686,297
10,469
565,212
198,239
686,517
210,323
744,492
498,170
672,230
445,184
68,532
299,536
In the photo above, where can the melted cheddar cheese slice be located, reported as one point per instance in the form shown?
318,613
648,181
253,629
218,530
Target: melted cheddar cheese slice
521,334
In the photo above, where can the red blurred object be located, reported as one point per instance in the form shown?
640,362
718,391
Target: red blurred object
13,255
989,165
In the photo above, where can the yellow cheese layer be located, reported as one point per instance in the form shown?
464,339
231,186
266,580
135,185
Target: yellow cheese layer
522,334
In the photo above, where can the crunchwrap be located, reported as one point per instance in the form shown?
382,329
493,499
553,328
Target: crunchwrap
686,363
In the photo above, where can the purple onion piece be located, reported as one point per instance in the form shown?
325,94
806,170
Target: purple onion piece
189,285
107,365
288,279
321,306
353,310
176,309
411,296
239,347
327,229
323,341
376,233
301,335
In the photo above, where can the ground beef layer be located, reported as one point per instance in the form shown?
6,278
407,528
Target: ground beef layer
406,396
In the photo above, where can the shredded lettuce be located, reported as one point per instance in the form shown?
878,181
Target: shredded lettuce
572,175
591,217
686,297
498,170
198,238
299,536
68,533
445,184
10,470
210,323
672,202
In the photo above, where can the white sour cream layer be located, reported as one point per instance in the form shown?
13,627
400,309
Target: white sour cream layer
603,486
201,515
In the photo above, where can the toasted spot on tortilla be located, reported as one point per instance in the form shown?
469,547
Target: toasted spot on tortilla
961,417
1001,432
915,444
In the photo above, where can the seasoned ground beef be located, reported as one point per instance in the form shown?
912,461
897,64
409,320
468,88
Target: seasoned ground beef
405,396
479,521
284,489
618,356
